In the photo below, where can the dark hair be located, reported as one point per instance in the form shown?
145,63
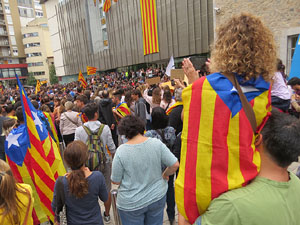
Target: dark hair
137,92
167,96
118,94
128,98
130,126
17,104
159,118
19,114
105,94
79,90
82,98
9,108
281,138
87,93
294,81
35,104
76,155
89,110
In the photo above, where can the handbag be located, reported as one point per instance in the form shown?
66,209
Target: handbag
60,212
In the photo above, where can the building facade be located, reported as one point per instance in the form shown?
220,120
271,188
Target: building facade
15,14
38,50
281,16
185,27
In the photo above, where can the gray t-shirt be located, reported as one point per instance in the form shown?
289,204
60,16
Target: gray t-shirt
138,168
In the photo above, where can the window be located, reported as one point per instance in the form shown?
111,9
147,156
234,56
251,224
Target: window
5,73
33,54
39,14
13,40
292,40
35,64
15,51
9,19
34,34
37,5
32,45
25,12
11,30
39,73
6,1
44,25
7,9
18,71
26,3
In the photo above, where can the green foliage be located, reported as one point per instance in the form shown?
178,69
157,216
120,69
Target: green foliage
31,81
52,73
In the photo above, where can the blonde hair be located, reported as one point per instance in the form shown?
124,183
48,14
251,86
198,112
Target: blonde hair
244,46
156,96
8,194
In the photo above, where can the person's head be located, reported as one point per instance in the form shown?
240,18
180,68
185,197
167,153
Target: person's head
56,101
167,96
128,98
159,118
79,90
91,111
178,95
131,126
9,200
10,109
8,125
45,108
280,67
136,94
105,94
19,114
294,83
81,101
35,104
75,156
69,105
244,46
156,96
281,139
116,97
87,93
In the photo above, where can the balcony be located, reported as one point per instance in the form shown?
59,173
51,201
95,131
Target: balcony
3,33
1,11
2,22
4,43
4,54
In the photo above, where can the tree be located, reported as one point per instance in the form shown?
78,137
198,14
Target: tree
52,73
31,81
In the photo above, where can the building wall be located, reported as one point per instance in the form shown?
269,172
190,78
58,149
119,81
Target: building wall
45,48
185,27
51,9
281,16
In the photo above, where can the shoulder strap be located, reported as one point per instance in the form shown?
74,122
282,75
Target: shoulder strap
68,118
101,129
167,107
245,104
161,134
87,130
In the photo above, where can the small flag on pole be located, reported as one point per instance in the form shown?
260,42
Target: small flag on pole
82,80
170,66
107,5
91,70
38,87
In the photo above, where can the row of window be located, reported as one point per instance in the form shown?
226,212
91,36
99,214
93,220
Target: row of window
33,54
38,73
34,34
37,44
6,73
35,64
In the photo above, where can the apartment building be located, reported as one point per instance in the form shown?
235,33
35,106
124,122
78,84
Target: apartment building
15,14
37,47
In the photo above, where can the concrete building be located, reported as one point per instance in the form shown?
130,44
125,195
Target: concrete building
77,30
15,14
38,50
281,16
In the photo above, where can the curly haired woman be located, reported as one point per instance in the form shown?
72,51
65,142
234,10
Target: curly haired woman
218,138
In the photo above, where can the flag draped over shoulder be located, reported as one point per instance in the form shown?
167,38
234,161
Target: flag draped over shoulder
91,70
82,80
149,24
34,159
173,106
218,151
123,109
107,5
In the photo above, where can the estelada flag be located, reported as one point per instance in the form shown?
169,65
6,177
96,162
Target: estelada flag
91,70
218,152
123,109
34,158
107,5
82,80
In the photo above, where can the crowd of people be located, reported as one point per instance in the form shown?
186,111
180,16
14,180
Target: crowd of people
233,149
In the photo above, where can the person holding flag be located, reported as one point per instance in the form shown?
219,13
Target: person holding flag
121,110
82,80
34,157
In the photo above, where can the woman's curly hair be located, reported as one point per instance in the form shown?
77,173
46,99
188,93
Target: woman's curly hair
244,46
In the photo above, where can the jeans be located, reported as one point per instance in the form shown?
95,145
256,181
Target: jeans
152,214
280,103
171,199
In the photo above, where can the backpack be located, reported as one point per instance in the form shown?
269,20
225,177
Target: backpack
96,154
162,135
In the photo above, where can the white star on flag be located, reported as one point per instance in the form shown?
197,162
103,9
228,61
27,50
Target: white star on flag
12,139
37,121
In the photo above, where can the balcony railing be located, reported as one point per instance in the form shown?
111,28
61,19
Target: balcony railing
3,33
2,22
4,43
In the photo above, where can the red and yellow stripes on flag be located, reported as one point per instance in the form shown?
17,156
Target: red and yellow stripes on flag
107,5
91,70
38,86
82,80
149,24
123,109
173,106
216,137
37,164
